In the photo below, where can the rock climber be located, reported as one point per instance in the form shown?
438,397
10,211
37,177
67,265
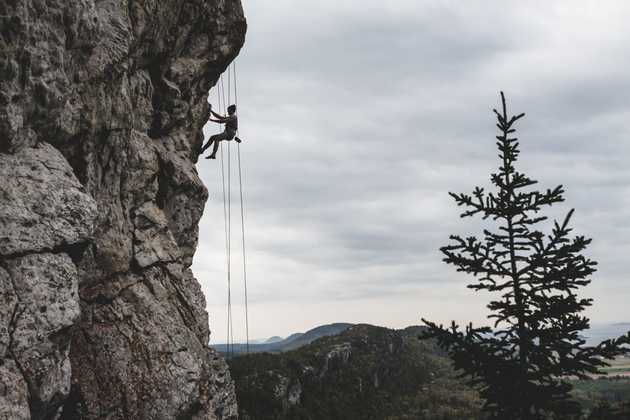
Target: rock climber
229,133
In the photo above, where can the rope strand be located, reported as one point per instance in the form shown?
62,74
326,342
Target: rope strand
221,94
227,210
229,184
240,182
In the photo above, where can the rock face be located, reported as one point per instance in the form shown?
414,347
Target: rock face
101,108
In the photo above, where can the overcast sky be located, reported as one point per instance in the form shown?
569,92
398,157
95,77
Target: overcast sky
359,116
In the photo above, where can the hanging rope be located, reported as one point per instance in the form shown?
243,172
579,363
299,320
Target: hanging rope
227,224
229,177
227,210
240,184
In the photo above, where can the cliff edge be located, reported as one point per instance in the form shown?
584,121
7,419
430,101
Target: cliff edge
101,108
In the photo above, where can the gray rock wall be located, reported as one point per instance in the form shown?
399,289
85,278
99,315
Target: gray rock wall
101,108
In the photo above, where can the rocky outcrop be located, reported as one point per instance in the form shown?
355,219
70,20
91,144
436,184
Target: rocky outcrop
101,108
46,220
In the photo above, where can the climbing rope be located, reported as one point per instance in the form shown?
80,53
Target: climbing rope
240,183
229,184
227,210
227,223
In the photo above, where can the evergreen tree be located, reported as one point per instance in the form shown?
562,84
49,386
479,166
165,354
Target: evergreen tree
522,363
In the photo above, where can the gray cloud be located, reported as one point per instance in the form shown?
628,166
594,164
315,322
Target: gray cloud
359,116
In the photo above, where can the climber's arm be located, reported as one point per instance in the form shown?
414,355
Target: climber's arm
219,116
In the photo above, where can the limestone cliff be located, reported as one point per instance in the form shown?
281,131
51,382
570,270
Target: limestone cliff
101,108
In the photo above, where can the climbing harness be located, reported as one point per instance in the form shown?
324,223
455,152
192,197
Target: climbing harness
227,210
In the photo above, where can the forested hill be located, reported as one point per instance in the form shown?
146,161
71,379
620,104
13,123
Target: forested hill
365,372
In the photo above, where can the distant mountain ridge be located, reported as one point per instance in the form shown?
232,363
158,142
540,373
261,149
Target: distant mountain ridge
277,344
294,336
292,342
600,332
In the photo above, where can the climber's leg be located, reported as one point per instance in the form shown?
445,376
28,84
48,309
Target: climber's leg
214,149
205,146
209,143
216,139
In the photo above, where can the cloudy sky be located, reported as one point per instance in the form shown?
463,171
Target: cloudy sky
359,116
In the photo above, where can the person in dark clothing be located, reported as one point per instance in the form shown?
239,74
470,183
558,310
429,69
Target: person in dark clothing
229,133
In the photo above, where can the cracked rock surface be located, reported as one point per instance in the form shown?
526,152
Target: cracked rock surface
102,104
